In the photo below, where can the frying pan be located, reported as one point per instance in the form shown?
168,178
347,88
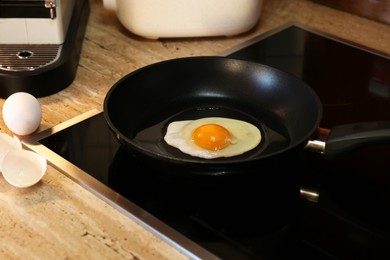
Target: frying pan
139,107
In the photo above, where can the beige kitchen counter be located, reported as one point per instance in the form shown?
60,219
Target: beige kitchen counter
59,219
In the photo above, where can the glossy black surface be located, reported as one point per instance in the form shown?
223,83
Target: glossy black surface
262,215
24,9
281,105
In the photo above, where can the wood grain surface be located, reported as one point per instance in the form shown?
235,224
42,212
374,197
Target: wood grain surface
378,10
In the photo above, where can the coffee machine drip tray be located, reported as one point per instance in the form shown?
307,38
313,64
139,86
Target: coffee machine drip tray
42,69
28,57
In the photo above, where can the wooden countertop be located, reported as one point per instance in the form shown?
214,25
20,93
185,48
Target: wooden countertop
57,218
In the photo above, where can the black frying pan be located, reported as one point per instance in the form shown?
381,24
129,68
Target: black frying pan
139,107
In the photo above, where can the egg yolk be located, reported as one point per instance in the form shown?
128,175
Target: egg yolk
211,137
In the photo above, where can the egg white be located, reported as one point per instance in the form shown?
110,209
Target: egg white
245,137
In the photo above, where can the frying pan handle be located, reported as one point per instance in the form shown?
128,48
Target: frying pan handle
343,139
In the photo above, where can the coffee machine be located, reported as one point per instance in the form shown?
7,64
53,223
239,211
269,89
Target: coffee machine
40,44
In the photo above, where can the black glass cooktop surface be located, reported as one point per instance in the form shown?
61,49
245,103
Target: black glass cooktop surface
304,206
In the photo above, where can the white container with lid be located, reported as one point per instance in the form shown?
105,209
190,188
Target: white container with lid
186,18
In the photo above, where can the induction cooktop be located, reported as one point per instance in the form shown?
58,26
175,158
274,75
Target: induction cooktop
319,209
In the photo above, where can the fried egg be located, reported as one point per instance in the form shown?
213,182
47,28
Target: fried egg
213,137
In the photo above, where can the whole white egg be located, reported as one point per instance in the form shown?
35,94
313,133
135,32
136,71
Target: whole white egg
22,113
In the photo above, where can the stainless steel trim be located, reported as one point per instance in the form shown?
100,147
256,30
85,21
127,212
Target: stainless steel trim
306,28
309,194
255,39
51,4
184,245
316,146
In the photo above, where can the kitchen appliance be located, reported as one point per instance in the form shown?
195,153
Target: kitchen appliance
317,209
189,18
40,44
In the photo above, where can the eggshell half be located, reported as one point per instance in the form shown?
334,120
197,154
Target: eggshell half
23,168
